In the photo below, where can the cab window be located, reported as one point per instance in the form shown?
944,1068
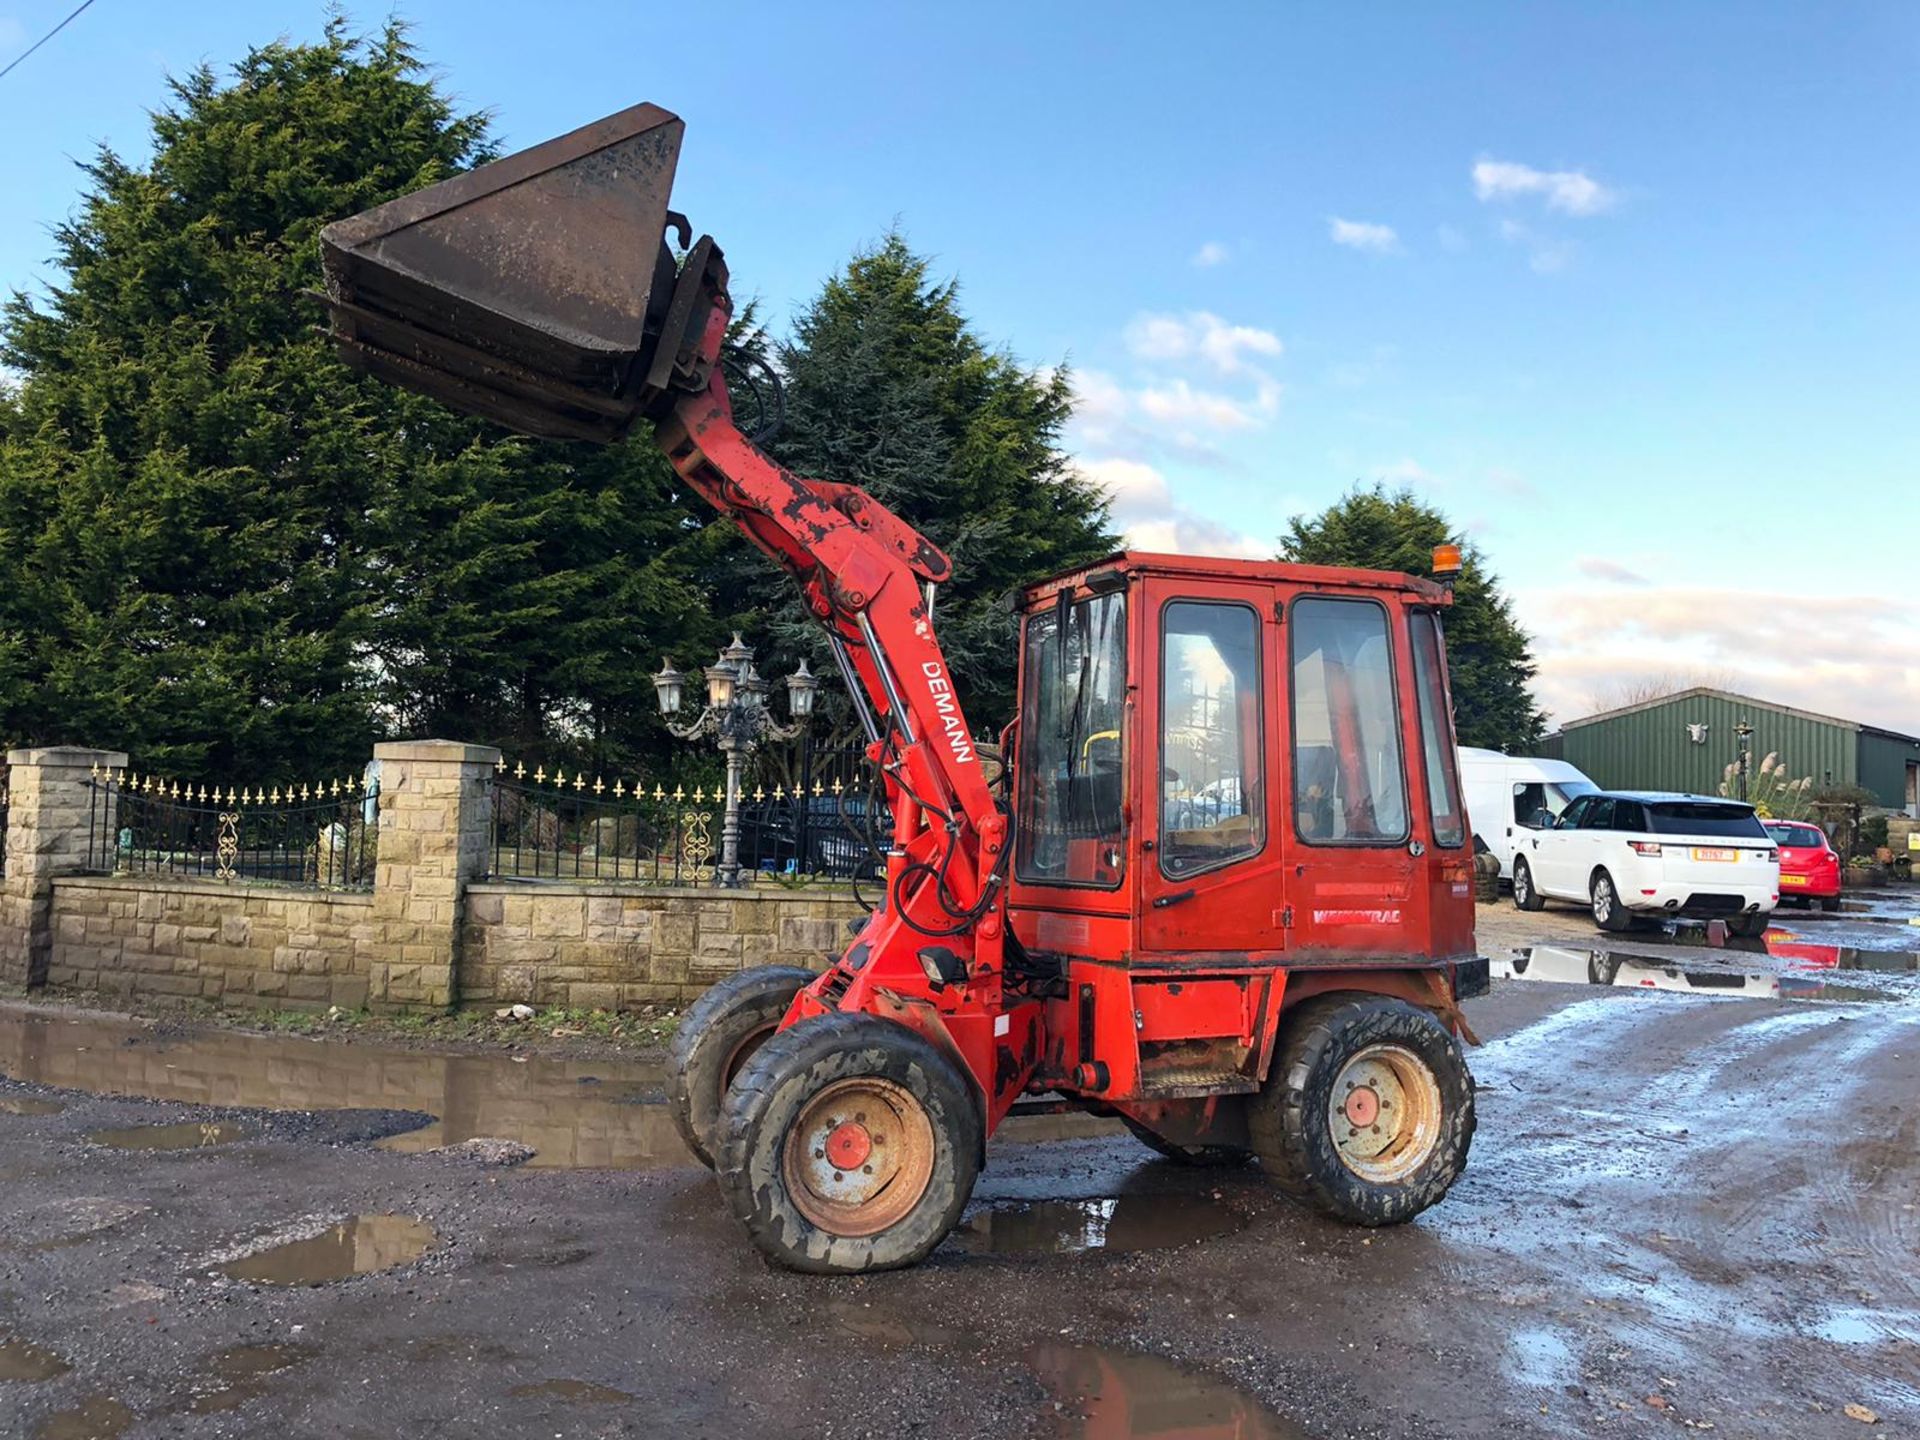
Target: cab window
1436,732
1349,782
1070,765
1212,789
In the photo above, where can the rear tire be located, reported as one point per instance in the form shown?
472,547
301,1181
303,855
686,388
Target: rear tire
714,1041
850,1143
1368,1114
1198,1157
1608,913
1750,927
1526,895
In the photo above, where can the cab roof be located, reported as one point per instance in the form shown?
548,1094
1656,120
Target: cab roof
1219,567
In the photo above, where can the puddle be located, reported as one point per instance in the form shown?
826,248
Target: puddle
619,1123
574,1392
1559,964
1541,1359
190,1135
1123,1223
1857,1326
1113,1394
22,1361
100,1417
359,1246
67,1223
26,1105
240,1375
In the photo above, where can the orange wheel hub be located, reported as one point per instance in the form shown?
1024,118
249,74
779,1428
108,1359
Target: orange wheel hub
1363,1106
849,1145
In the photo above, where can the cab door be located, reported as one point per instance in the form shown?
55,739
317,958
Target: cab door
1211,877
1356,850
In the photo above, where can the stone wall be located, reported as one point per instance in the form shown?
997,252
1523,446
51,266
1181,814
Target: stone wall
616,947
241,944
432,932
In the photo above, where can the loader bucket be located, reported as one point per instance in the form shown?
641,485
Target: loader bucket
531,291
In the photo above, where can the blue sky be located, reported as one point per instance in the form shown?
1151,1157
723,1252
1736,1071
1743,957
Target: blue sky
1628,290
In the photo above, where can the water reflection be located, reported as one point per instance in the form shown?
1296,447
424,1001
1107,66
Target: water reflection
1117,1395
359,1246
1568,965
1121,1223
540,1102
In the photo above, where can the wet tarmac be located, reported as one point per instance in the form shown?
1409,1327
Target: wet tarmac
1116,1223
1679,1216
240,1375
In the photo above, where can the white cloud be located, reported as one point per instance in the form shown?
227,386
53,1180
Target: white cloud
1178,403
1588,641
1151,519
1572,192
1199,335
1212,253
1544,256
1404,471
1362,235
1609,572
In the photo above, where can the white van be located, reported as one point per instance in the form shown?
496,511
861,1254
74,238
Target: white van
1511,796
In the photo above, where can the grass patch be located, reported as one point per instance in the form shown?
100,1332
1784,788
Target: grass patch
647,1029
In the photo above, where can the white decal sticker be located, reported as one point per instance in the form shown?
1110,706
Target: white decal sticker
948,709
1001,1025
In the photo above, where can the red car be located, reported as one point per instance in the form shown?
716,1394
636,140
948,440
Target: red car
1809,866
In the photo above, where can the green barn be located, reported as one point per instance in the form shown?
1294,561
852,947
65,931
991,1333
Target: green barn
1685,741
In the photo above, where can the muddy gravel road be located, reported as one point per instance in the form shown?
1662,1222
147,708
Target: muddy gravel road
1693,1204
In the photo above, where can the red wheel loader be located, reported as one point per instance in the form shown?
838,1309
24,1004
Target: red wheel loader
1222,890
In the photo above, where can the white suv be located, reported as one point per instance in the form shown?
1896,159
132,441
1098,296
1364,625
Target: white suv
1629,854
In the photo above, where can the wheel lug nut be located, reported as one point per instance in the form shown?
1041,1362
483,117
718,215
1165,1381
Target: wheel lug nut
838,1176
866,1169
1376,1130
819,1154
860,1117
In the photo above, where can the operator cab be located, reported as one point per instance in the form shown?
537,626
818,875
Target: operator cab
1237,763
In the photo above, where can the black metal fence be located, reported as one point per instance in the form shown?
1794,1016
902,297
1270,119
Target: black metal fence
815,812
556,826
322,836
821,813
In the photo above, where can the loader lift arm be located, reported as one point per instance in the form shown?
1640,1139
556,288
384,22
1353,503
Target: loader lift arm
869,578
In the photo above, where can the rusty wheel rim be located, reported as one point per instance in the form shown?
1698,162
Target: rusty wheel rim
859,1156
1384,1113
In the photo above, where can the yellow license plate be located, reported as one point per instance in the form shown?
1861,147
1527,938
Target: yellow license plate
1793,879
1701,852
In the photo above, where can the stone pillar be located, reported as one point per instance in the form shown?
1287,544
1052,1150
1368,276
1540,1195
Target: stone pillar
436,809
47,819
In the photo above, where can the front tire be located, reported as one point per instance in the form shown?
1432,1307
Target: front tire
715,1039
1608,913
1526,895
1368,1115
850,1144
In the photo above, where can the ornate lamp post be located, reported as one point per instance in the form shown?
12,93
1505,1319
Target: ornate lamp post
737,715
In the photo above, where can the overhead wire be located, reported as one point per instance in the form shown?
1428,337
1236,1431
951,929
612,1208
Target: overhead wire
75,15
